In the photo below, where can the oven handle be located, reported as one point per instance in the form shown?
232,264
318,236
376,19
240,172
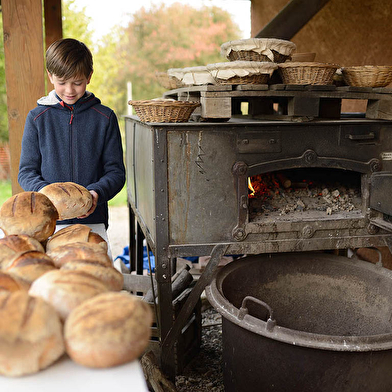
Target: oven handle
271,322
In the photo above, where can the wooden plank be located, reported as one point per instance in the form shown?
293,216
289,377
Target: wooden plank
215,108
25,82
379,110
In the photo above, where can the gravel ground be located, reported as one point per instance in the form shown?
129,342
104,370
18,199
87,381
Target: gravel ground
204,373
118,231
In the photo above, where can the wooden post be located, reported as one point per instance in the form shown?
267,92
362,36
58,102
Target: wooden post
53,27
24,69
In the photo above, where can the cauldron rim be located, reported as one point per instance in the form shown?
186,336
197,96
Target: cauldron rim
363,343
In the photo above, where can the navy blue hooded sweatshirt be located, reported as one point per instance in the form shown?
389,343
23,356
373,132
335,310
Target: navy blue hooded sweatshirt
79,143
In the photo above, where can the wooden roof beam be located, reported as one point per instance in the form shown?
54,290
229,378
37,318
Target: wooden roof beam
291,19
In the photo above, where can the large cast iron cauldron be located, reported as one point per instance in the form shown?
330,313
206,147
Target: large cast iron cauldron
305,322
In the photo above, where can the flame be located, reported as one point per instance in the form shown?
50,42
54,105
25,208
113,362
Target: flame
250,187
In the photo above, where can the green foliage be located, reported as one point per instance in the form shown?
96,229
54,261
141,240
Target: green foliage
120,199
163,37
5,191
3,93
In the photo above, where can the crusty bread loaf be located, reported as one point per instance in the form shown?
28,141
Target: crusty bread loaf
30,334
30,265
112,278
30,213
71,200
12,244
65,290
8,282
79,251
108,330
75,233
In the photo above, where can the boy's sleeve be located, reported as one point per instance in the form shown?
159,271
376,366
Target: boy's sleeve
29,176
113,178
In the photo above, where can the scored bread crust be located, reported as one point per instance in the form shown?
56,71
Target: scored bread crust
79,250
108,330
9,282
113,279
65,290
30,213
30,265
12,244
75,233
31,335
71,200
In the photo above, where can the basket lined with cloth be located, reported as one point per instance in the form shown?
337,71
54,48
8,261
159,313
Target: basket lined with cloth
314,73
258,49
368,75
166,81
242,72
164,110
196,76
176,75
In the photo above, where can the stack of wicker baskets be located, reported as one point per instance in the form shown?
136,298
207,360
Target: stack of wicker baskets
251,61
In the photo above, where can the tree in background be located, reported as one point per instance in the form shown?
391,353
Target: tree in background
163,37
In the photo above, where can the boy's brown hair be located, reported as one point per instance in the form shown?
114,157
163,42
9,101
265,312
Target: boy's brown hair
67,58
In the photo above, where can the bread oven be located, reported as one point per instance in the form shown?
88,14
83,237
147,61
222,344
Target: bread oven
189,192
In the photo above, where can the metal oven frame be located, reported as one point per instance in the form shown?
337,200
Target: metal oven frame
187,194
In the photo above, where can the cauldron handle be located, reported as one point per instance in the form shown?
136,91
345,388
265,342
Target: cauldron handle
271,322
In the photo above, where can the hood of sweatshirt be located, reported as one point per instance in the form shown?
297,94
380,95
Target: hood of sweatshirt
88,100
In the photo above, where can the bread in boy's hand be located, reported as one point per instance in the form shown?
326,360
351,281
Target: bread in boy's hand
31,335
75,233
108,330
71,200
30,213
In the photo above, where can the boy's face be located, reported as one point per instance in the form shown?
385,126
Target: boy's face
70,90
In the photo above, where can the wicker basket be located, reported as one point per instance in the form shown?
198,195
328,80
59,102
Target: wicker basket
162,110
166,81
258,49
248,55
307,73
242,72
368,75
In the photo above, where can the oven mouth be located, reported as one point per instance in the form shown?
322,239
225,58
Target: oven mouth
304,194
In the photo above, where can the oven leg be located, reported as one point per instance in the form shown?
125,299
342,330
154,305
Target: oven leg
205,279
132,240
139,250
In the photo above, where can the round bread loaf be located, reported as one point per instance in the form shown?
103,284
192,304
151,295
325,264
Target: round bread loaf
79,251
12,244
112,278
30,265
108,330
30,213
71,200
65,290
12,283
30,334
75,233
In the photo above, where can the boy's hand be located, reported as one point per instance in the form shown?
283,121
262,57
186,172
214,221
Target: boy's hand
94,205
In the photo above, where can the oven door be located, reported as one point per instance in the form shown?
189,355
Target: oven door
381,200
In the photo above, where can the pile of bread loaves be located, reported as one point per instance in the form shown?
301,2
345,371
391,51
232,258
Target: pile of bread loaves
59,292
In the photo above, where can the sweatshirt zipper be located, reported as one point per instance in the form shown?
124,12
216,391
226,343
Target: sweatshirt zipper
70,138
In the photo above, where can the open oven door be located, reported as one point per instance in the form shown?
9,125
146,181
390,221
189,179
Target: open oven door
381,199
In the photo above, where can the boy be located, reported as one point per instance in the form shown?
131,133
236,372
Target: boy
71,136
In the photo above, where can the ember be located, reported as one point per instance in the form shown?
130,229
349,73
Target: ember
289,192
